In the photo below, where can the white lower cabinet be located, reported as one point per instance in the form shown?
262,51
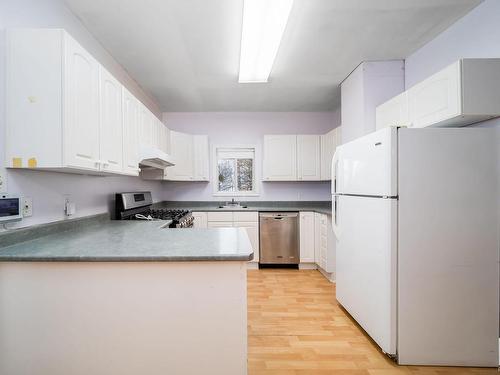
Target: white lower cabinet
228,219
307,237
324,243
317,243
200,220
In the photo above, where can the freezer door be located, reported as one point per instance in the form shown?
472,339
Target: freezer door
367,265
368,165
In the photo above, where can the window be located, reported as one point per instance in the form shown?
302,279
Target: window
235,171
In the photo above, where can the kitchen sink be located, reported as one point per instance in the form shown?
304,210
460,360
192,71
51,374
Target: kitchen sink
232,207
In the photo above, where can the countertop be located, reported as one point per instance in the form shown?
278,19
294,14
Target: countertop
130,241
323,207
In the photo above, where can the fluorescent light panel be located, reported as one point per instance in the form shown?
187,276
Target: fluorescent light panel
264,22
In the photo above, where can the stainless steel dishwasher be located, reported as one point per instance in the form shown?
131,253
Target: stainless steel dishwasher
279,237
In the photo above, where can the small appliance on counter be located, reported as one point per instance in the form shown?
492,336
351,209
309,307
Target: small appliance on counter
138,206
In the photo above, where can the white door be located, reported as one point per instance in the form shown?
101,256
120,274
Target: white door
280,157
252,229
130,133
182,152
111,129
201,157
308,157
81,107
367,265
368,165
306,237
437,98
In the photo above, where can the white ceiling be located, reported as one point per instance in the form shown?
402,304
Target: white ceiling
186,52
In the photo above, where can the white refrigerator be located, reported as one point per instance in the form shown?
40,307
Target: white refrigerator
415,215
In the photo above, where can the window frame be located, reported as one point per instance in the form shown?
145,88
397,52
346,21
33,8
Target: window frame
215,173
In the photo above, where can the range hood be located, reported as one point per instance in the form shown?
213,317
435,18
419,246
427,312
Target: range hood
150,157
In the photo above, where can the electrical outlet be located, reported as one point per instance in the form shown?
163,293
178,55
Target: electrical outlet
27,207
69,207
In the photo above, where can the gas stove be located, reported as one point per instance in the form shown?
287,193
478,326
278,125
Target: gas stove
138,206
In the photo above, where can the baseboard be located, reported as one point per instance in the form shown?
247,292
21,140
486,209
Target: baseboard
330,276
308,266
252,265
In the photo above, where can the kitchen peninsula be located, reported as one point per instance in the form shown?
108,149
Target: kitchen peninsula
123,297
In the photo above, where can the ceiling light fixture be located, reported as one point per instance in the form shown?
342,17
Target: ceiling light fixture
264,22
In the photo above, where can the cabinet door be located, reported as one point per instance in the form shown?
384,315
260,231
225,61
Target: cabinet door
394,112
81,107
182,152
280,157
307,237
200,220
111,129
437,98
308,157
328,145
338,136
163,136
145,126
220,224
317,235
201,157
252,229
130,133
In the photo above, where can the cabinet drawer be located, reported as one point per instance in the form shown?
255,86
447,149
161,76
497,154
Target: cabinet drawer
245,216
220,216
220,224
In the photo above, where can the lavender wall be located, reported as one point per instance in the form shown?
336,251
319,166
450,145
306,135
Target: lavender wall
477,34
48,190
230,128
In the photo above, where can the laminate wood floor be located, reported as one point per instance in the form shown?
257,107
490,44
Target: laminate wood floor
296,327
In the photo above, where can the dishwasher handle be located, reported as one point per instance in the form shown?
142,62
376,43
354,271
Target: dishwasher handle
279,216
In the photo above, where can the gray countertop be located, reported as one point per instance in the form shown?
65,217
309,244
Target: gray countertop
132,241
323,207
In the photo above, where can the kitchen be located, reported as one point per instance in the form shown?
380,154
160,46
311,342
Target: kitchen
171,118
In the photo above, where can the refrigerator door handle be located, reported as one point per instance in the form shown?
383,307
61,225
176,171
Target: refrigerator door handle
335,160
335,217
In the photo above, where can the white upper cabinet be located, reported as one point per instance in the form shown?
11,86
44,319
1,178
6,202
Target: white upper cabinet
81,106
463,93
201,160
52,102
182,152
436,99
65,112
111,124
308,157
307,234
280,157
328,146
130,133
394,112
145,126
